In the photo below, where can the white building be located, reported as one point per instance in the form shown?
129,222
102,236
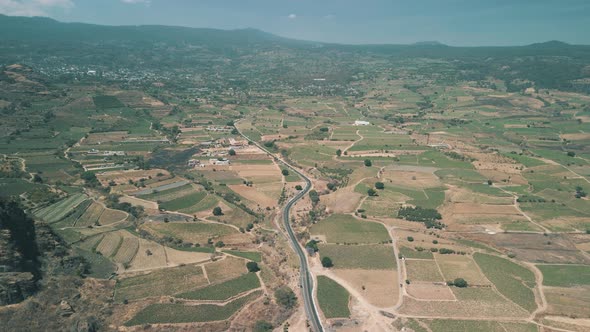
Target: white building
361,123
217,162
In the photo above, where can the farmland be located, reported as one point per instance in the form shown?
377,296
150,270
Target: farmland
165,178
333,298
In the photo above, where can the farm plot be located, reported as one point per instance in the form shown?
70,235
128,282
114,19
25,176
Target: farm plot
411,180
411,253
378,287
342,228
225,269
563,301
512,280
224,290
370,257
255,194
333,298
444,325
110,244
460,266
423,270
159,313
183,202
427,291
565,275
164,282
57,211
110,216
196,232
254,256
150,255
127,250
471,302
91,215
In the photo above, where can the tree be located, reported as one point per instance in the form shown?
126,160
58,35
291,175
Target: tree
459,282
249,227
313,244
371,192
285,297
217,211
252,267
410,239
379,185
327,262
490,182
368,163
338,152
285,172
571,154
298,187
232,152
220,244
37,178
262,326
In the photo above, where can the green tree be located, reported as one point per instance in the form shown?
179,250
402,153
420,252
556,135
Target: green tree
459,282
368,163
371,192
285,297
285,172
379,185
232,152
298,187
217,211
252,267
327,262
338,152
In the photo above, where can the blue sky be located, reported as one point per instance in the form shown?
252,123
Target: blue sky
454,22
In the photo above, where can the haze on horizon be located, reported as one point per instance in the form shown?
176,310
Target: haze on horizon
453,22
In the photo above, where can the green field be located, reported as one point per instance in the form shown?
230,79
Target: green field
104,102
160,282
59,210
411,253
179,313
447,325
512,280
224,290
184,202
333,298
369,257
340,228
565,275
195,232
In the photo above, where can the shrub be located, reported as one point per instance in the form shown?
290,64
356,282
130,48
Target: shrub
285,297
379,185
252,267
338,152
217,211
371,192
285,172
262,326
410,239
327,262
368,163
298,187
232,152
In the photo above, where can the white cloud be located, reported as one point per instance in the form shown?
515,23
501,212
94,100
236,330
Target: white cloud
32,7
292,16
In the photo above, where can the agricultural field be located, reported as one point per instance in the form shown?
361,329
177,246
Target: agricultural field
340,228
333,298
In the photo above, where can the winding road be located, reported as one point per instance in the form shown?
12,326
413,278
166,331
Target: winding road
306,278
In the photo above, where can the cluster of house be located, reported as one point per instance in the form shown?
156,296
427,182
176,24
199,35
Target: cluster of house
105,153
212,161
222,129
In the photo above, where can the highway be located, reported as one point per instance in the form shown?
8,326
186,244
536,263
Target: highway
306,279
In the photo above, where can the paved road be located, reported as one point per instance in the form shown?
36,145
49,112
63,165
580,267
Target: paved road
306,278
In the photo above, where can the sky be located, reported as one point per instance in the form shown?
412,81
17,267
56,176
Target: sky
453,22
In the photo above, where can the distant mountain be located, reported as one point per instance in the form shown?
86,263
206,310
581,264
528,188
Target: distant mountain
429,43
42,29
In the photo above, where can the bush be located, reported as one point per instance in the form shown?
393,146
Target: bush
252,267
285,172
314,196
410,239
327,262
262,326
217,211
371,192
368,163
459,282
313,244
298,187
232,152
338,152
285,297
379,185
